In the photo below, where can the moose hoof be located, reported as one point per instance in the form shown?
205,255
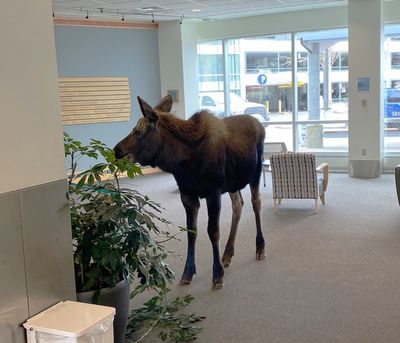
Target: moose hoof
260,255
217,285
184,282
226,261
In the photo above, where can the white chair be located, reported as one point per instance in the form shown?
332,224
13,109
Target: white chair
294,176
269,149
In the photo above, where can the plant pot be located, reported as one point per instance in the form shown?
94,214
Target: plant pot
117,297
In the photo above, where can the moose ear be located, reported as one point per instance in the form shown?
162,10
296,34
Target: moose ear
165,104
147,110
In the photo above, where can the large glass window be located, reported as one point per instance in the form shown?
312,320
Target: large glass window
259,81
322,99
391,97
211,76
262,76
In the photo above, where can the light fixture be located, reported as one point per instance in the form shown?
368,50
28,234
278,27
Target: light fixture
147,9
123,18
181,20
196,10
87,14
152,17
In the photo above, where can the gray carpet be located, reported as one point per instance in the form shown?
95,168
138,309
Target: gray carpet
328,277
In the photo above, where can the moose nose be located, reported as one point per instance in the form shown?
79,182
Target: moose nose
118,152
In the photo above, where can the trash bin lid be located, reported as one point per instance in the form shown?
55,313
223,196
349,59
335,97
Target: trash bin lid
69,318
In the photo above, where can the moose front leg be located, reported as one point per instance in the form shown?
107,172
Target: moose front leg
214,209
192,205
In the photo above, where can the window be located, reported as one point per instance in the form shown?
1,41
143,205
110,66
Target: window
208,101
210,62
264,85
391,96
395,60
321,124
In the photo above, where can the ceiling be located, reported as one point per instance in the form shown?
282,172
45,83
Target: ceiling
159,10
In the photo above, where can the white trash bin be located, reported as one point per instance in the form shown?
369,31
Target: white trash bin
72,322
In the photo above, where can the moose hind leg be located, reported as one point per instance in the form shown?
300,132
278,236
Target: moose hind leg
256,202
191,205
237,205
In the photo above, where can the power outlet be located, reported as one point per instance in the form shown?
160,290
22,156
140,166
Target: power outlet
363,152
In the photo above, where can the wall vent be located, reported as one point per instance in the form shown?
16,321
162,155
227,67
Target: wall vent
338,169
388,169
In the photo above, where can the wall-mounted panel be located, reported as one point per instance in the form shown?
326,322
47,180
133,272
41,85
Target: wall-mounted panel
13,298
86,100
47,245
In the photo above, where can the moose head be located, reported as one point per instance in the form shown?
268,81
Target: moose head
143,142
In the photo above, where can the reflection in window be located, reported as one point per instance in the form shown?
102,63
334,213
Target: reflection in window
210,65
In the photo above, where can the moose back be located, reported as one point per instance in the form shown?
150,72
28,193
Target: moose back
207,156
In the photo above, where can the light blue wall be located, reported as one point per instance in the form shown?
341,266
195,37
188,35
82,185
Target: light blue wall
93,51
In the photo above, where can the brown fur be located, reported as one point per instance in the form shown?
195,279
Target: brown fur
207,156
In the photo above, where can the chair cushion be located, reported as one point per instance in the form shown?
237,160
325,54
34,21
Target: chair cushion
294,176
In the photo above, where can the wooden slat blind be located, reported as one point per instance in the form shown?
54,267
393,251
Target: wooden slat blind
87,100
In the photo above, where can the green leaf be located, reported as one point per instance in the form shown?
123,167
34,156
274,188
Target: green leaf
90,179
81,182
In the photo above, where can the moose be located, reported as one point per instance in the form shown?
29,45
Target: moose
208,156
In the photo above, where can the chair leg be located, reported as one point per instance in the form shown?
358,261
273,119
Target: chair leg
322,197
274,204
316,206
279,201
264,177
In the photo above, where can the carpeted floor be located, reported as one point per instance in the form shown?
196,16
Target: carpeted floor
328,277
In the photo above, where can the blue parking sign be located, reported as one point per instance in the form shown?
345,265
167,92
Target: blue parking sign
262,79
392,103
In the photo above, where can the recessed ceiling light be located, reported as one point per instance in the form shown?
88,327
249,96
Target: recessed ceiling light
196,10
147,9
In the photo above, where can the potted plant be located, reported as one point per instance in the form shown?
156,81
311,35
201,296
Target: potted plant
117,232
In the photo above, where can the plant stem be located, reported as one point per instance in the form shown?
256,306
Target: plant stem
73,168
117,180
82,279
148,331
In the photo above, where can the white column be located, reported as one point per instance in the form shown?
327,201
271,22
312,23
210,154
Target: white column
178,65
31,143
314,82
365,101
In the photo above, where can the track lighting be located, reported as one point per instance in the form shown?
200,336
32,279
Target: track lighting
122,12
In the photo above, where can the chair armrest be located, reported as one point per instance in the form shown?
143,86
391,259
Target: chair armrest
397,178
324,168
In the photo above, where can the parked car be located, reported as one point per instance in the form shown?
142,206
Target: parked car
214,102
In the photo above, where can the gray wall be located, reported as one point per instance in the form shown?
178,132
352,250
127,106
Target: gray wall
95,51
36,255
